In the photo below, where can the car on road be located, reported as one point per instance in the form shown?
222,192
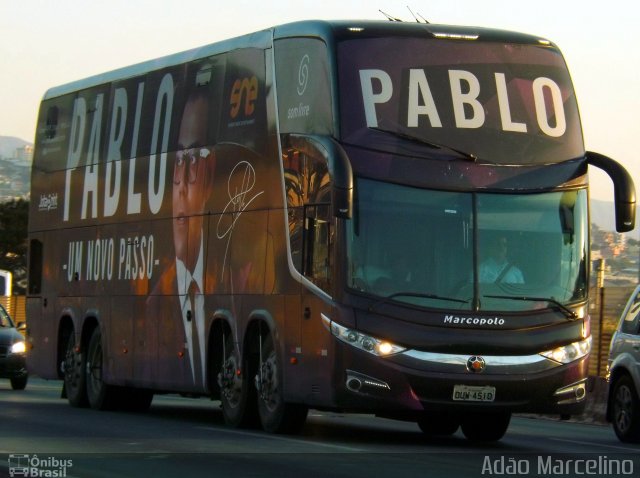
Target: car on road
623,373
13,350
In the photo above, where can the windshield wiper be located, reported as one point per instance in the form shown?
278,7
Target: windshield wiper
414,294
570,314
424,142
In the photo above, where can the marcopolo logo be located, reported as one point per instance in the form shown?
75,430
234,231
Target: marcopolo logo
454,320
35,466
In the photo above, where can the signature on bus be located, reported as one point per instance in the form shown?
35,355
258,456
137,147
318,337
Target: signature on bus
241,182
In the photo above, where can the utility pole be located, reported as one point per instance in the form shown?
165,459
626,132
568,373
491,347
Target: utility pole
600,284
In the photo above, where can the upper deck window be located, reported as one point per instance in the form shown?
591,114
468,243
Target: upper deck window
504,103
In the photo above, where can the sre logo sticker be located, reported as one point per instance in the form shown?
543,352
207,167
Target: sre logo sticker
245,91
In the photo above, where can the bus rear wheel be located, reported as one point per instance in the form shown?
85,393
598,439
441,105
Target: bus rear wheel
74,374
237,396
276,416
100,395
485,427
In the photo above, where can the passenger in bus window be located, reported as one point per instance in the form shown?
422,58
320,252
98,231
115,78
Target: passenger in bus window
193,175
496,268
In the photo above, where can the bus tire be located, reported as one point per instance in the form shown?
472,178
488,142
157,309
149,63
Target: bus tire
237,396
485,427
432,423
74,374
625,407
276,416
100,395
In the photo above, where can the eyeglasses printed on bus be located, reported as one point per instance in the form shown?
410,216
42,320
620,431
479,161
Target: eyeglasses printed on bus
188,159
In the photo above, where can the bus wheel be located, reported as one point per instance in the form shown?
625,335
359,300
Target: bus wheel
432,423
485,427
134,399
237,397
276,416
74,374
100,395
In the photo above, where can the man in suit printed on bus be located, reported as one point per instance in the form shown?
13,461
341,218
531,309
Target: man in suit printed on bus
182,284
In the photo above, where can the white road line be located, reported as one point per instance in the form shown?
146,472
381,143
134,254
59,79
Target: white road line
599,445
290,440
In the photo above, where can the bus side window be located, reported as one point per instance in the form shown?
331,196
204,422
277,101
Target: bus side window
307,182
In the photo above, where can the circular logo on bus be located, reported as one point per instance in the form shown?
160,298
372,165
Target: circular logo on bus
476,364
303,74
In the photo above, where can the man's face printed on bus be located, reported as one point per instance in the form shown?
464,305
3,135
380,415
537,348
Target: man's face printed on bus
192,180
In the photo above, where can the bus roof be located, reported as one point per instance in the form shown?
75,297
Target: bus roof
328,31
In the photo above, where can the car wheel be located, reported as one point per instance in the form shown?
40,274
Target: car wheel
19,383
625,410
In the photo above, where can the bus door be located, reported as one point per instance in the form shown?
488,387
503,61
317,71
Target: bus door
318,267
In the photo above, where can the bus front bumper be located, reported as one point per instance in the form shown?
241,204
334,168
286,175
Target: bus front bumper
413,381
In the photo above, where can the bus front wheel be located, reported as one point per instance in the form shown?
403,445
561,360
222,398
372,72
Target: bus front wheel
276,416
443,424
485,427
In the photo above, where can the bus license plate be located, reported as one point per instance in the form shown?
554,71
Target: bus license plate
468,393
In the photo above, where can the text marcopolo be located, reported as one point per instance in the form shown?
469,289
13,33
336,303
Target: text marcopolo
452,319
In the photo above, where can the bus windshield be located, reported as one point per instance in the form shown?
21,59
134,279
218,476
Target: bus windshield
468,251
503,103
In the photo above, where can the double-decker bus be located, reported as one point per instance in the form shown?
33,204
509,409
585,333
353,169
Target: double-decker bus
374,217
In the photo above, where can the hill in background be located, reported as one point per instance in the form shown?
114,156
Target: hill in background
9,144
603,216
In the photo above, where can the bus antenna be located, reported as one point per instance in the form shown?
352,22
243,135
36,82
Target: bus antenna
416,17
389,17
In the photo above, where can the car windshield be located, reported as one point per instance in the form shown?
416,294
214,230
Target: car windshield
468,251
5,320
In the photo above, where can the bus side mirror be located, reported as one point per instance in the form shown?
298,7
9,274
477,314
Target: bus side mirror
623,190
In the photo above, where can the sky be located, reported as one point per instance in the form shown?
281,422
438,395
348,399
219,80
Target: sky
45,43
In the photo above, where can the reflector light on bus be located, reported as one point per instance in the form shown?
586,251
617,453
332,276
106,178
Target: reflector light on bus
455,36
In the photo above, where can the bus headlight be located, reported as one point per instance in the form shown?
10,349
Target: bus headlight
373,345
18,348
569,353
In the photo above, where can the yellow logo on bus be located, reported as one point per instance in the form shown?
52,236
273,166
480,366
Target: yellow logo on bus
245,91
